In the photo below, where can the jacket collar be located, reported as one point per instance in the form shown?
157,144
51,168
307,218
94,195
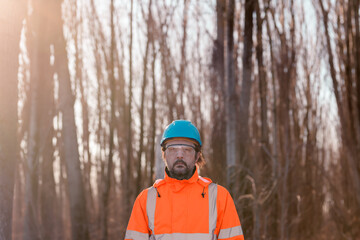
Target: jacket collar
194,178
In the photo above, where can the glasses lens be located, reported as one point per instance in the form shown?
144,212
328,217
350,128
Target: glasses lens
176,148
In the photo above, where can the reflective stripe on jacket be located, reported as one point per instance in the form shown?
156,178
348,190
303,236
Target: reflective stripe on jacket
193,209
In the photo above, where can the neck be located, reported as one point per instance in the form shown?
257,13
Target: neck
180,176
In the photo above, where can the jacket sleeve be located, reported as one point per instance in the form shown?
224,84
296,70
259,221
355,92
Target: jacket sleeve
137,228
228,223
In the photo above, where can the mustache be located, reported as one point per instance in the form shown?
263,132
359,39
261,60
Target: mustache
180,161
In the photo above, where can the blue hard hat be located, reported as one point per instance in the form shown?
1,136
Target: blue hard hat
181,128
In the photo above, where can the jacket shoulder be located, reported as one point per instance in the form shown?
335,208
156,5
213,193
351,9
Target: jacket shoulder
223,194
204,181
158,183
142,197
222,189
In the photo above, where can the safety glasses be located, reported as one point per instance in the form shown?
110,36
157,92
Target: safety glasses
174,149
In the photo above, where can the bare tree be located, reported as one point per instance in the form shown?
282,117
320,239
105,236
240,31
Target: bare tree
246,79
81,83
39,130
11,16
261,164
79,226
183,62
129,149
143,87
217,85
244,101
231,98
167,61
31,219
344,78
153,115
108,171
345,118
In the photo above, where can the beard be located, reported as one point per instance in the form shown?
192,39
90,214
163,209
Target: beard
181,173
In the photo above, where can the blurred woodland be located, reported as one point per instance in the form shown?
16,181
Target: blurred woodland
88,86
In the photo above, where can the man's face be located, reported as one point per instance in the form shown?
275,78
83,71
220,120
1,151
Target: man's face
180,157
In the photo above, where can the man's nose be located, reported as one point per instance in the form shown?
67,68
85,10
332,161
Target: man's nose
179,153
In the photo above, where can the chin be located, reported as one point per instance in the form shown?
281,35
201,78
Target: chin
180,171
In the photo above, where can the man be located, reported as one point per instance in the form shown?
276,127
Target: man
183,205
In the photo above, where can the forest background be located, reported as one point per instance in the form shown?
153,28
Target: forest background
87,87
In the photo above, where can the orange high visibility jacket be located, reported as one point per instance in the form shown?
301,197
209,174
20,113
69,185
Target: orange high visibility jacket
193,209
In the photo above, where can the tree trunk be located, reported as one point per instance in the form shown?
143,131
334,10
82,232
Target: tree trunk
356,7
262,81
217,84
31,219
109,164
168,68
79,227
128,168
261,165
231,98
80,80
40,148
246,80
244,110
11,15
153,117
183,63
143,87
49,206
